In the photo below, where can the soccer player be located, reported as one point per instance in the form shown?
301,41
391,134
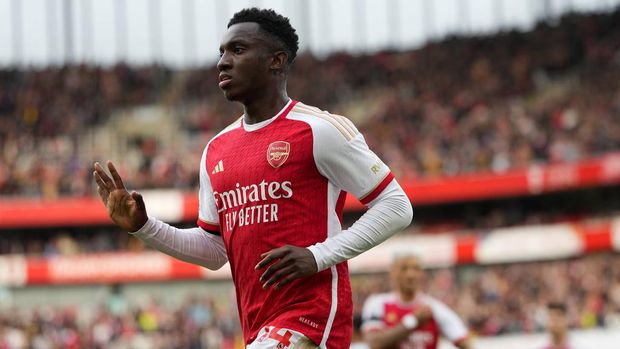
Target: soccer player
408,318
557,326
272,189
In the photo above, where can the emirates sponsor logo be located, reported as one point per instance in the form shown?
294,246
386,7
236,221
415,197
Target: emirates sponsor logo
252,193
277,153
251,204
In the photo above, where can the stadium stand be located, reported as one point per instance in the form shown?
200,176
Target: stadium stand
511,100
524,114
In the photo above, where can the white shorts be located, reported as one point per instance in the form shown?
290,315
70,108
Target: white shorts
280,338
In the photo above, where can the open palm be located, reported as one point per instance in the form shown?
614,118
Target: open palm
126,209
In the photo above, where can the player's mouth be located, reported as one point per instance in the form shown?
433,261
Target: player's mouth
225,80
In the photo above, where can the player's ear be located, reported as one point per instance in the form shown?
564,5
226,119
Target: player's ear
279,59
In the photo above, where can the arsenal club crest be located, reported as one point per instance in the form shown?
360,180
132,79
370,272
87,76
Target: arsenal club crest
277,153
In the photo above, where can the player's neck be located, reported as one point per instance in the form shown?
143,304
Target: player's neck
407,296
558,340
265,107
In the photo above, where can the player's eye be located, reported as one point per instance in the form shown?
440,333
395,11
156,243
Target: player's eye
238,50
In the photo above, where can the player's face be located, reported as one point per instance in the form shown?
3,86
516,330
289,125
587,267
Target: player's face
244,62
556,321
408,274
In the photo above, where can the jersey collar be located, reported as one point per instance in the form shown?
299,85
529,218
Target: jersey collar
257,126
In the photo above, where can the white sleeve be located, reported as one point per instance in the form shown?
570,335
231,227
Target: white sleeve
342,155
389,213
208,218
203,246
345,159
373,314
192,245
450,325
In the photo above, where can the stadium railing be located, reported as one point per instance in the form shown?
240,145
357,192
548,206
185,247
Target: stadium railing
503,245
178,206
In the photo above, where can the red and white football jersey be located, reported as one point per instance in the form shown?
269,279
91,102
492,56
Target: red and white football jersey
284,181
387,310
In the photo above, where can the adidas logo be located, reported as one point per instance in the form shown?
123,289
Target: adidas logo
219,167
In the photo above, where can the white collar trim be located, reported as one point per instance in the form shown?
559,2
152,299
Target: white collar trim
259,125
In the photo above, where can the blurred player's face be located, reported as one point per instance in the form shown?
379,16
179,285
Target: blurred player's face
556,322
407,274
244,63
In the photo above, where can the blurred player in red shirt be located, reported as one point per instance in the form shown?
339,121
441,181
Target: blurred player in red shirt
557,326
272,189
409,318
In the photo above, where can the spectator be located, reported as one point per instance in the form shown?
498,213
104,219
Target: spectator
548,95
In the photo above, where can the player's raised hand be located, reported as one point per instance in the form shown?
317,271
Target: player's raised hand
291,263
423,313
126,209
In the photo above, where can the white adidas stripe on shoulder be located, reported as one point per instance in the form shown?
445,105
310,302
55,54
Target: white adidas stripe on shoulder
341,123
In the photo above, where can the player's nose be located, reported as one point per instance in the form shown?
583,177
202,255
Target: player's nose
225,62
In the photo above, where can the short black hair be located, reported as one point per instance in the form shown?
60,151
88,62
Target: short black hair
273,24
559,306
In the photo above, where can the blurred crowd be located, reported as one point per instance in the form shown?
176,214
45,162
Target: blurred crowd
199,323
458,105
67,242
492,300
512,298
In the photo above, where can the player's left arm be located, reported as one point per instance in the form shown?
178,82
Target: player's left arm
342,155
346,160
450,325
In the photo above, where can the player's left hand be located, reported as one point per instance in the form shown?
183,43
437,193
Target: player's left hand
291,262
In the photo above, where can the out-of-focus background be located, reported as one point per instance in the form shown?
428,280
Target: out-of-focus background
501,120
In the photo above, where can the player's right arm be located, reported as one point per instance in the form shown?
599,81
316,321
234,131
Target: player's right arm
128,211
386,338
379,336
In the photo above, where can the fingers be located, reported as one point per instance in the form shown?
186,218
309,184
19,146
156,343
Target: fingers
285,270
272,255
117,178
139,200
99,180
109,183
103,193
105,180
288,279
102,188
275,267
291,262
423,313
277,270
106,185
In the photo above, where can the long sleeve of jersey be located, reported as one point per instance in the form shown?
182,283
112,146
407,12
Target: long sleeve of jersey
193,245
388,214
344,158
